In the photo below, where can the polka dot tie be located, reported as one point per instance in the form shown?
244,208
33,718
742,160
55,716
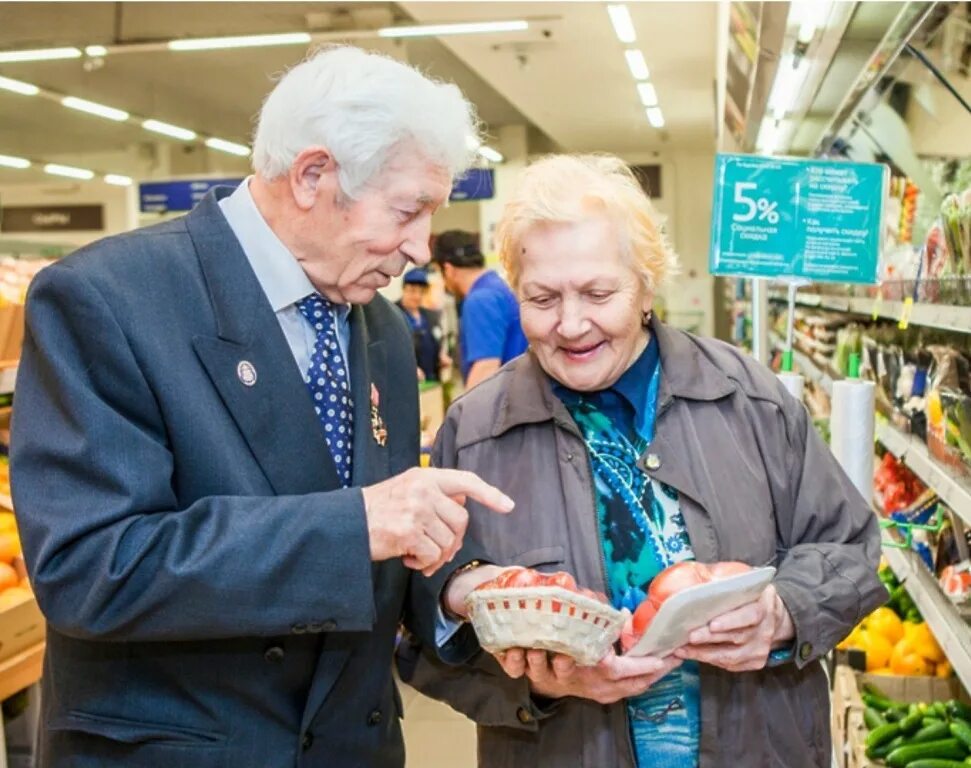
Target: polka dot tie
327,381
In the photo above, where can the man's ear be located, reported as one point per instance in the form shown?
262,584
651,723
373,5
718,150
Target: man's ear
312,172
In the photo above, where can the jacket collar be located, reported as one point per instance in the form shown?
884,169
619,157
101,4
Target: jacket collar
686,373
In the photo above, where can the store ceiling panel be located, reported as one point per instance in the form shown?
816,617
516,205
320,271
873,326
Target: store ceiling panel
566,78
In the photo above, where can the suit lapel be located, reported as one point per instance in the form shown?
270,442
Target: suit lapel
250,364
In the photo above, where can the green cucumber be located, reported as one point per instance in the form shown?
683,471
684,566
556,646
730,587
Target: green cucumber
878,753
872,718
934,732
911,723
959,709
880,703
950,749
936,762
882,734
962,732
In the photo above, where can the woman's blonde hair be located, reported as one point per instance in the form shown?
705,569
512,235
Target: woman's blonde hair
562,189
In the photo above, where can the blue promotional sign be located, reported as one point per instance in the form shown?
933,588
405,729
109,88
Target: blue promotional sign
781,217
476,184
178,194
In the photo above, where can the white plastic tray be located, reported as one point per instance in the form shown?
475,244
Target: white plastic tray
695,606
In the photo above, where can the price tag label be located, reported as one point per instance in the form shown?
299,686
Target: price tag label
905,313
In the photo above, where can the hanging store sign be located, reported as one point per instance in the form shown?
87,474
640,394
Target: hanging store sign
52,218
787,218
178,194
476,184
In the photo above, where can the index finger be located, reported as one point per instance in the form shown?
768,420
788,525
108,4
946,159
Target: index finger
454,482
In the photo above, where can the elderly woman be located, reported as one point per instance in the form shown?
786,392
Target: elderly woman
629,446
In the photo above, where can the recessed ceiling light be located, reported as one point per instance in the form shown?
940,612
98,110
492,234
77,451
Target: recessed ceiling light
8,161
68,170
636,64
623,24
655,117
40,54
648,94
167,129
228,146
490,154
93,108
18,87
437,30
240,41
118,180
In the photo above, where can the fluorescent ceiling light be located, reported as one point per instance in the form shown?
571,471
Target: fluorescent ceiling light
648,94
117,180
93,108
244,41
96,50
789,78
470,28
68,170
809,15
769,134
472,143
490,154
228,146
169,130
8,161
655,117
623,25
40,54
18,87
636,64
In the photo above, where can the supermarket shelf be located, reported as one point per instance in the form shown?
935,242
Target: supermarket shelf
952,633
946,317
955,491
808,367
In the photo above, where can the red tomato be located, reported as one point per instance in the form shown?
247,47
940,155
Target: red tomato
561,579
490,584
677,577
728,568
521,577
643,617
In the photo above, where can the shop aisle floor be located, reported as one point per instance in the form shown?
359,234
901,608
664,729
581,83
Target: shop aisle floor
435,735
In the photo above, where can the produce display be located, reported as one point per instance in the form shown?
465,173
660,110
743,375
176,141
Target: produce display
14,587
896,639
927,734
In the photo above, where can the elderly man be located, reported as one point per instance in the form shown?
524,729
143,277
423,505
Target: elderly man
213,450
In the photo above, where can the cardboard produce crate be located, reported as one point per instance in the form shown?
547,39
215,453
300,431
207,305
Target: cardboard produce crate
21,626
849,731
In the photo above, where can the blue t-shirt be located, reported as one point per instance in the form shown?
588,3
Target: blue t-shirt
489,324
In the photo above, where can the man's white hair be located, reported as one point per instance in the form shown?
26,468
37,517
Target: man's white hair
360,105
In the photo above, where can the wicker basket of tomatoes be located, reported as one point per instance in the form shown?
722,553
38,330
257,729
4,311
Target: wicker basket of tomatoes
524,608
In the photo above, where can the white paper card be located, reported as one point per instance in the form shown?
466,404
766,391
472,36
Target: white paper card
695,606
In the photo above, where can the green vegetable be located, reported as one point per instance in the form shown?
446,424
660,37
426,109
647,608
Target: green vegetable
911,723
878,753
933,732
959,709
879,703
882,734
950,749
936,762
873,718
962,732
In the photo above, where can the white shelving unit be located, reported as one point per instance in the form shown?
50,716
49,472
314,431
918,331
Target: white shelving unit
950,630
944,316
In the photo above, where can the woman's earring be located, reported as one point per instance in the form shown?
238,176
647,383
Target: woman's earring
646,318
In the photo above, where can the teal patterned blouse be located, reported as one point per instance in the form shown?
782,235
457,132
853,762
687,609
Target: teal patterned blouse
642,532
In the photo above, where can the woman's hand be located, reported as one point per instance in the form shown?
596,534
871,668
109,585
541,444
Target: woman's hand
741,640
554,675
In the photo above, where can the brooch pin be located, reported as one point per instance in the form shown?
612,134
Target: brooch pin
378,428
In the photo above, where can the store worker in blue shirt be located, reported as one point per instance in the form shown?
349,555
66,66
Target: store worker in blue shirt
425,325
489,331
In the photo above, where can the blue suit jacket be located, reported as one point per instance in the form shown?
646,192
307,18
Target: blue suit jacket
207,583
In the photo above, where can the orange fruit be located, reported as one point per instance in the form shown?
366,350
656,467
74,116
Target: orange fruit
8,577
13,596
9,546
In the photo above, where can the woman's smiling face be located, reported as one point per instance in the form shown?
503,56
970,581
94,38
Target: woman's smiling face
581,303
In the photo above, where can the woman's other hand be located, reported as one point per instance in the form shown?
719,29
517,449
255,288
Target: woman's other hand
741,640
613,678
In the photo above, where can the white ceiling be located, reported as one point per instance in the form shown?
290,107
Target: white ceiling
566,77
